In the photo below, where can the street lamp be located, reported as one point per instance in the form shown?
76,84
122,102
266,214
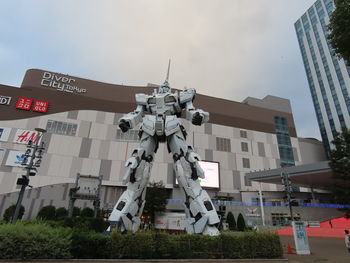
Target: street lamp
31,161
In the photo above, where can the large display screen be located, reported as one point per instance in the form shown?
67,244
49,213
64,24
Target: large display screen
211,171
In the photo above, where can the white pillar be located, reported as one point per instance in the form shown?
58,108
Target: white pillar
261,206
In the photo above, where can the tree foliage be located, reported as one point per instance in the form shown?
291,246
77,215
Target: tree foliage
61,212
231,221
87,212
11,210
340,164
47,212
156,199
339,29
240,223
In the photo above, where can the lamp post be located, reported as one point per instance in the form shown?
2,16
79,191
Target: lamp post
31,161
288,189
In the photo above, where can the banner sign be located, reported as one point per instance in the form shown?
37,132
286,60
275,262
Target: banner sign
15,158
4,100
24,136
40,106
300,238
4,134
24,103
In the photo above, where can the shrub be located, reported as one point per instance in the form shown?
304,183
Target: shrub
84,223
90,245
61,212
47,213
33,241
87,212
76,211
240,223
11,210
231,221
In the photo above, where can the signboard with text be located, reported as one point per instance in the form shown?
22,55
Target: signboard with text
24,136
4,134
40,106
15,158
24,103
5,100
300,238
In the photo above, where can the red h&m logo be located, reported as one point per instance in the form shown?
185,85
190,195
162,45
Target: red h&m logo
24,103
40,106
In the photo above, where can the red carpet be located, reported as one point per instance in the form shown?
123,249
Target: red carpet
325,230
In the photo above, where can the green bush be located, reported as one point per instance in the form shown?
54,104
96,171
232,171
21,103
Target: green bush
28,240
47,213
160,245
76,211
61,212
87,212
90,245
11,210
241,223
231,221
84,223
33,241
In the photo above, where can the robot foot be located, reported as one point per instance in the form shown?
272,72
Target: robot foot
211,231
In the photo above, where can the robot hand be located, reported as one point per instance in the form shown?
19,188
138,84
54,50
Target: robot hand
124,125
197,119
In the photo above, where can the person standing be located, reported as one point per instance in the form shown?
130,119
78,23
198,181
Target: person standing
330,223
347,239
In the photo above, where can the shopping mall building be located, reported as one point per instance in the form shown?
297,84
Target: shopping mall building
81,119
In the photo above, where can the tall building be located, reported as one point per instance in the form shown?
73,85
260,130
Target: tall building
327,75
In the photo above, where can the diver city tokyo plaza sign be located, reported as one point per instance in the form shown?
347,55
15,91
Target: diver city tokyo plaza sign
60,83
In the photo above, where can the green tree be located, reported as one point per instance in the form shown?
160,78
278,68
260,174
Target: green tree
231,221
240,223
156,199
47,213
339,29
87,212
11,210
61,212
340,164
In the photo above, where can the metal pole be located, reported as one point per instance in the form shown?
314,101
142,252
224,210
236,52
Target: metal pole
261,205
28,168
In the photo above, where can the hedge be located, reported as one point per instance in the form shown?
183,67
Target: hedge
38,240
34,241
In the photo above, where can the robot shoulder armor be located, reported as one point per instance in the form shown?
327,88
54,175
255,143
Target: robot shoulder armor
187,95
141,98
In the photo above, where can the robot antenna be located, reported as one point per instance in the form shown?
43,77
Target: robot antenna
167,75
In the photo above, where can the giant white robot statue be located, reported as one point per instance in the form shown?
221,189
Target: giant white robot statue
162,123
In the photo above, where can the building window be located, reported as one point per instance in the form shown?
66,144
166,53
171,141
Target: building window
244,147
129,136
60,127
284,142
223,144
246,163
243,134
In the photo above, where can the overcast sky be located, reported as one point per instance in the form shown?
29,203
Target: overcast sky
224,48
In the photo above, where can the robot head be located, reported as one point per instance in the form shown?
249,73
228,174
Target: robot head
164,88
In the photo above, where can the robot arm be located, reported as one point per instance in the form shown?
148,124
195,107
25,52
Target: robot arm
131,119
196,116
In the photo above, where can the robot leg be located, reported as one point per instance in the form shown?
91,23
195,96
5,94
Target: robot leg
127,211
200,212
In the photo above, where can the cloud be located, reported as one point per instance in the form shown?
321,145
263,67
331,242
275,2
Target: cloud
226,48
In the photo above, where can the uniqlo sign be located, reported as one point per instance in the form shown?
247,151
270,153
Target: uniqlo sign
40,106
24,103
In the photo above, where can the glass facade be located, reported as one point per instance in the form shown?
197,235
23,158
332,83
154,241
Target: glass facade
327,75
284,143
